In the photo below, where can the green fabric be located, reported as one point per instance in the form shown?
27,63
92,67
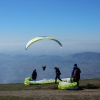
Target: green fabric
29,82
67,85
41,38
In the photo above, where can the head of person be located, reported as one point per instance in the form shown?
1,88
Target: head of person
55,67
35,70
75,65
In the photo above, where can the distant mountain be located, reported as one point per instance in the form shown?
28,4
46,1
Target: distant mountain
86,56
89,62
14,69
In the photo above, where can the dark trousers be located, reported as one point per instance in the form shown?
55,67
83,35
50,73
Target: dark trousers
57,76
76,79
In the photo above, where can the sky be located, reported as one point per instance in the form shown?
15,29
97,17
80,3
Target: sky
75,23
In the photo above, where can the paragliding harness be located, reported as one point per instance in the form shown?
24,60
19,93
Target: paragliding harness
76,75
44,67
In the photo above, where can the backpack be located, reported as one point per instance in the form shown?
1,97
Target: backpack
76,75
58,72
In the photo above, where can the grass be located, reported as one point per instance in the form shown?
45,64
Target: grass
18,87
90,83
84,84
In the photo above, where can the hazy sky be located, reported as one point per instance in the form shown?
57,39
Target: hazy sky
75,23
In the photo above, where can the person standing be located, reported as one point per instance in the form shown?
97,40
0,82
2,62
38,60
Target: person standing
58,73
34,75
76,74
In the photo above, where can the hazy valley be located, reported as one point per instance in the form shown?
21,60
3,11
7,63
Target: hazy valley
14,69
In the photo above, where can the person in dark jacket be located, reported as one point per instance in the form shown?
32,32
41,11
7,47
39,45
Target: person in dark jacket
76,74
58,73
34,75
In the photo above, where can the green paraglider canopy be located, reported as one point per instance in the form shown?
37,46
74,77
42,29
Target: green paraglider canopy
41,38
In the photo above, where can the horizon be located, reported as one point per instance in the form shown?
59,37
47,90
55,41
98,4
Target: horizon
41,54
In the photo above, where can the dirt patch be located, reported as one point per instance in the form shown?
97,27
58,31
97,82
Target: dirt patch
47,93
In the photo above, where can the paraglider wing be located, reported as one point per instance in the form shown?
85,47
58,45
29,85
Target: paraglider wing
41,38
55,40
32,41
